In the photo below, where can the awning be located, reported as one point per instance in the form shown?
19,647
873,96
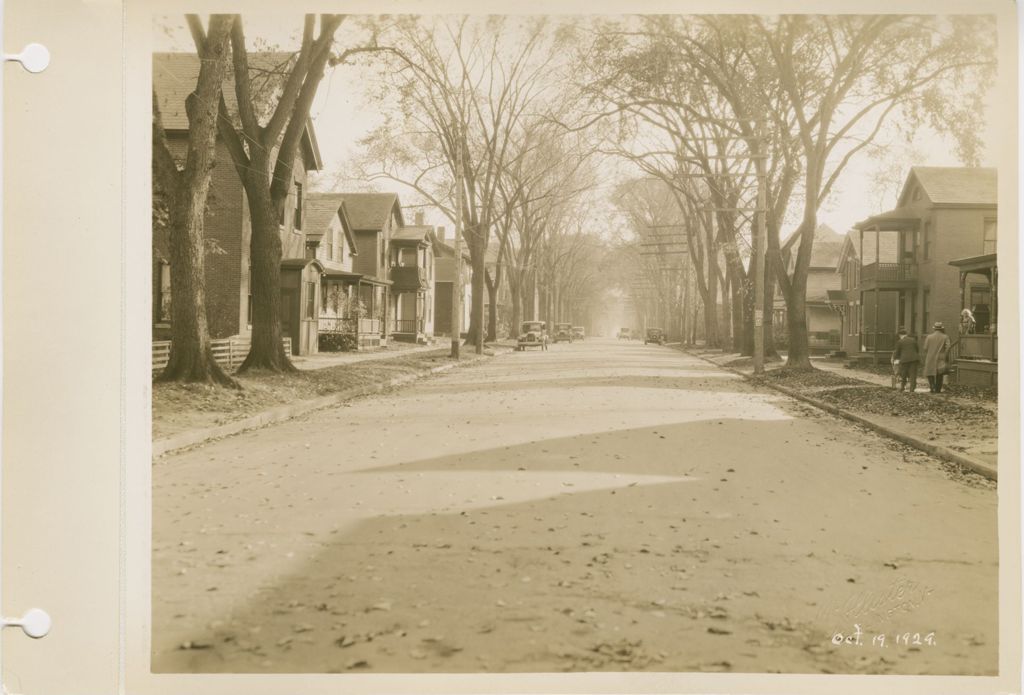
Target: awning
975,264
892,220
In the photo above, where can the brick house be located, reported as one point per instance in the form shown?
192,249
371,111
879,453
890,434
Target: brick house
227,227
824,322
895,265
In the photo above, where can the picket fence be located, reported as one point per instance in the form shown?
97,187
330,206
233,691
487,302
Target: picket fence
229,352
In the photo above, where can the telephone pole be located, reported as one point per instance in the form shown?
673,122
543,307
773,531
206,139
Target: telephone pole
760,236
457,280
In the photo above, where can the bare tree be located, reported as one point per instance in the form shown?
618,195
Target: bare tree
184,193
264,151
463,86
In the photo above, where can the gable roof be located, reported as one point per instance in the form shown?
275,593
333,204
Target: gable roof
827,247
953,185
175,76
848,248
321,209
370,211
419,233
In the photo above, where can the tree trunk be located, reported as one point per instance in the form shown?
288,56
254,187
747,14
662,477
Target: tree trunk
769,315
799,355
515,289
191,357
267,349
711,306
476,308
492,305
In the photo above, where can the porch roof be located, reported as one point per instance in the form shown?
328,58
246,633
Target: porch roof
339,274
891,220
975,263
294,263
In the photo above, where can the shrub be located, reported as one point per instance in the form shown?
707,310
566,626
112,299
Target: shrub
337,342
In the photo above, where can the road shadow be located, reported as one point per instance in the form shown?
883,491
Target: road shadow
725,568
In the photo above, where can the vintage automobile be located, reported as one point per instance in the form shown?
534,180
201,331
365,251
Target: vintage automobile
563,331
532,334
577,333
655,335
625,334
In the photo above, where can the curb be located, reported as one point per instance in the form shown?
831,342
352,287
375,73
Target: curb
971,464
288,412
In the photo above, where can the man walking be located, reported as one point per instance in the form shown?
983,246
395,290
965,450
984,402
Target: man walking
906,357
936,356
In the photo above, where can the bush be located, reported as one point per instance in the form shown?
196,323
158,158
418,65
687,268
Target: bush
337,342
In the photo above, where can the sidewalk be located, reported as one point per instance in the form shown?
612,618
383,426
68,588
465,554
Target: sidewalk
957,429
333,359
185,415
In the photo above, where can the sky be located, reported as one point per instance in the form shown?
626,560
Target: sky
343,114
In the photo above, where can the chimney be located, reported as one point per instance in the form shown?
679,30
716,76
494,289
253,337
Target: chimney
419,218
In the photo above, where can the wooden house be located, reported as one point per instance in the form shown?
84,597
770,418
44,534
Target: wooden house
824,322
444,260
412,276
896,265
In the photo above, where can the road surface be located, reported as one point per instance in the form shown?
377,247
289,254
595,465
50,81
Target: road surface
603,505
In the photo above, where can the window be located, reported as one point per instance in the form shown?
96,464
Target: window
927,241
298,207
989,245
162,305
310,300
925,310
917,193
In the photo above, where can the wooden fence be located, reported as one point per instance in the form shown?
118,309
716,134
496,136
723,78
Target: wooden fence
229,352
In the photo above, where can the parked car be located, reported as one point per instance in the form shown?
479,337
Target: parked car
532,334
625,334
563,331
577,333
655,335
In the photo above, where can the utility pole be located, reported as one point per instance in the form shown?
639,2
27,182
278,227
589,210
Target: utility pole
760,236
457,280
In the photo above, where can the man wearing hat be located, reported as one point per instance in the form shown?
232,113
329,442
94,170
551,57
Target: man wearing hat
936,356
906,357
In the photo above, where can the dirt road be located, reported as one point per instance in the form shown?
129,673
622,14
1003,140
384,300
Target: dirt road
599,506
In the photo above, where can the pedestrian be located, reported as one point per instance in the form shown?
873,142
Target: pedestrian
936,356
906,358
967,322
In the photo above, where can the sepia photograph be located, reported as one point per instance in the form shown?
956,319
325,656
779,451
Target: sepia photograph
575,343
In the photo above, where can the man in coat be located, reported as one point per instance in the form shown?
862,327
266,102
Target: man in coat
906,357
936,351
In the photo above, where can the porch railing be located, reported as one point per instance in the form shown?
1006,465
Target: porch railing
878,341
824,339
888,272
407,326
978,347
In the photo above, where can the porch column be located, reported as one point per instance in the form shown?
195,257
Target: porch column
876,315
994,319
